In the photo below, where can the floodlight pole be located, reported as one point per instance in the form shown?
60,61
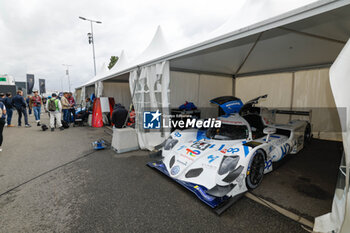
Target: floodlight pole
93,46
67,73
92,39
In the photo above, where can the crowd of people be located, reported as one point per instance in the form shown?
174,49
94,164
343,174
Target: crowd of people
53,105
61,110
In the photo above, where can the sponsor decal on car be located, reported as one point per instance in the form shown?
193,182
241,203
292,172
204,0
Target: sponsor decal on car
285,149
203,193
175,170
268,163
209,166
200,145
192,153
186,157
230,150
233,150
181,162
211,158
221,147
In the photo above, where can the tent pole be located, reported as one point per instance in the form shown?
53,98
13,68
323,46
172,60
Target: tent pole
200,72
313,35
292,95
250,51
285,70
132,97
233,85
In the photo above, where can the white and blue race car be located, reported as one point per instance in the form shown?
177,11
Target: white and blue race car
221,164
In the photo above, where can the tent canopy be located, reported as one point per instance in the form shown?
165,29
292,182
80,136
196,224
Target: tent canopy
276,45
157,47
121,63
307,37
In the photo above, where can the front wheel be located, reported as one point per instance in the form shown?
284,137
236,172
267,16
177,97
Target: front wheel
256,170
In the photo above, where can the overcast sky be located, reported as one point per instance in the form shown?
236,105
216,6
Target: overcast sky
38,36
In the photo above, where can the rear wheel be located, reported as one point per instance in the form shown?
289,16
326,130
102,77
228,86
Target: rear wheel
256,170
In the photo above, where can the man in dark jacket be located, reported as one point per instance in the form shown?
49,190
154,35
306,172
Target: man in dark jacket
21,106
2,98
119,115
9,108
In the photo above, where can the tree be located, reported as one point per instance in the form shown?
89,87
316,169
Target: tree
112,61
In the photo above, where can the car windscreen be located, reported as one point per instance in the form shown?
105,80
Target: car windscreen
228,132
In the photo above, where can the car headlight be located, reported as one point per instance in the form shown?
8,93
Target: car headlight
170,143
228,163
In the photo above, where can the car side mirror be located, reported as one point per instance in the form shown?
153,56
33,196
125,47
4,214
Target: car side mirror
268,131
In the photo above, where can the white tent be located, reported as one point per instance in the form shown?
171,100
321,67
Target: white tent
121,63
303,42
157,47
118,87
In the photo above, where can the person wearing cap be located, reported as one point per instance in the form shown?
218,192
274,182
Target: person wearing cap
54,106
37,102
21,106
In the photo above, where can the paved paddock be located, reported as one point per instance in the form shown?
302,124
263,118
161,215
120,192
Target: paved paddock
106,192
305,182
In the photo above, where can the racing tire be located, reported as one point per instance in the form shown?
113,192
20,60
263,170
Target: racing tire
307,134
256,170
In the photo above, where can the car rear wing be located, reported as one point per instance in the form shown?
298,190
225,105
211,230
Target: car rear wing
292,112
306,113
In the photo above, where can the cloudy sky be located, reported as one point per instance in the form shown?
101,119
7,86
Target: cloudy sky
39,36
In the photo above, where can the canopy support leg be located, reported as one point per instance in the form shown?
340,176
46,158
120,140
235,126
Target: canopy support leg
250,51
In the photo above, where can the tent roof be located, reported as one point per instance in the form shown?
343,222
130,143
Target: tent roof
122,62
309,36
310,42
120,65
156,48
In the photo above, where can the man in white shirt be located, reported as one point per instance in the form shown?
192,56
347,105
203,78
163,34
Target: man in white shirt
54,107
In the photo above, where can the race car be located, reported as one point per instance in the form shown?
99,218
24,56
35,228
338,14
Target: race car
220,164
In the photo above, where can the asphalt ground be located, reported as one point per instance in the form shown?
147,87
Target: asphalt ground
104,191
305,182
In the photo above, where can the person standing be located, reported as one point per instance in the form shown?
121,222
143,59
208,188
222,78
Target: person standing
72,107
2,97
44,100
2,121
9,108
119,115
54,106
29,104
36,102
65,107
21,106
